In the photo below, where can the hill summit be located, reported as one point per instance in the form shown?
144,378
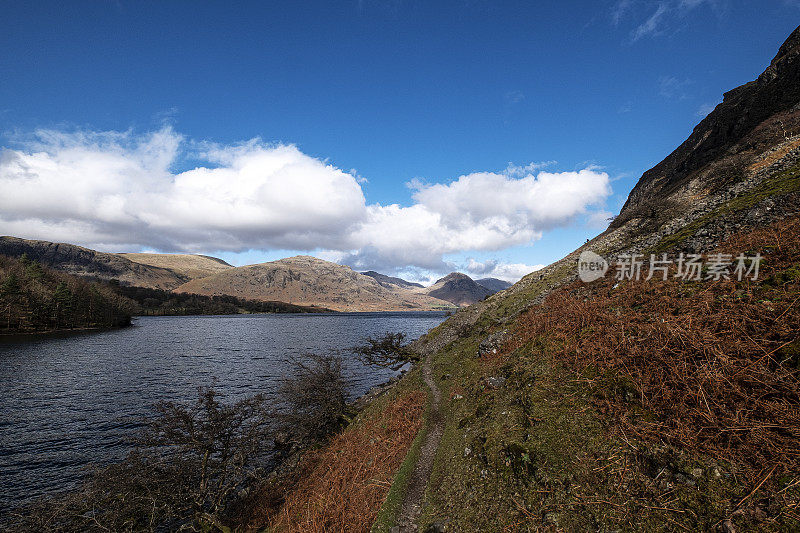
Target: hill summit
307,280
459,289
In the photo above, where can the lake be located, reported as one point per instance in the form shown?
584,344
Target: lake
72,400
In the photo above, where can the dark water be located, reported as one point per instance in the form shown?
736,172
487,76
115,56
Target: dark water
69,401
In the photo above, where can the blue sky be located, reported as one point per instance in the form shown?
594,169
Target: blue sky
390,93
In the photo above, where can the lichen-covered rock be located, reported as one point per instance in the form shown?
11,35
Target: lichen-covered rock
493,343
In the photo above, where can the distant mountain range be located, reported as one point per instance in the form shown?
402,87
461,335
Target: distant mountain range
300,280
307,280
459,289
389,281
493,284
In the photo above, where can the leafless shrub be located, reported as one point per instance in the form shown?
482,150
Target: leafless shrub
218,445
389,351
189,465
315,397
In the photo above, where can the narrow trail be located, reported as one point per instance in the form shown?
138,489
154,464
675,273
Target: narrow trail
418,482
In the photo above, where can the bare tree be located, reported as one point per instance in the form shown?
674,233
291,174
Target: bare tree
389,351
185,472
216,445
316,397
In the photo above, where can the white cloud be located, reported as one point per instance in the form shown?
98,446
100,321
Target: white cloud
688,5
504,204
651,25
118,191
519,171
479,211
673,88
514,97
619,11
668,15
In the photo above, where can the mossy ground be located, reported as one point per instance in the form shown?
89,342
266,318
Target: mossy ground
535,454
531,444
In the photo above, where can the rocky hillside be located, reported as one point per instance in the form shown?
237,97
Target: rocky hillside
458,289
80,261
493,284
187,265
390,282
622,405
305,280
746,133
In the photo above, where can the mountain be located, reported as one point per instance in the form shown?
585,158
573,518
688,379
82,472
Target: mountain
81,261
493,284
389,281
305,280
190,266
301,280
660,405
744,135
458,289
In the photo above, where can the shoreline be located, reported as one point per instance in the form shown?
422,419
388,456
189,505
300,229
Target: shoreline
57,332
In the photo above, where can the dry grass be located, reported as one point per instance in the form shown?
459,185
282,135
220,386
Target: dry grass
344,484
707,366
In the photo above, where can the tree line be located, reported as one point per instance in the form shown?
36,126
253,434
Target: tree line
158,302
34,298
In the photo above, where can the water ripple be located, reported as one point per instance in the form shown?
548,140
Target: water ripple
70,401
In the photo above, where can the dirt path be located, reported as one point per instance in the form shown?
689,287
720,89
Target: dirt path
415,492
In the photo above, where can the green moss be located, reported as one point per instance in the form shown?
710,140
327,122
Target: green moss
789,355
783,277
537,453
517,439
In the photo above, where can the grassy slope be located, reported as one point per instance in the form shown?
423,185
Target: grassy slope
564,445
542,453
191,266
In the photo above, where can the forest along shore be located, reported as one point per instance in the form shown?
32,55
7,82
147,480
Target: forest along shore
35,299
